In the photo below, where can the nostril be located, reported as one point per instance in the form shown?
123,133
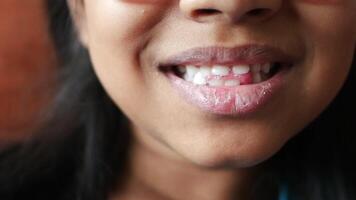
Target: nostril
205,12
258,12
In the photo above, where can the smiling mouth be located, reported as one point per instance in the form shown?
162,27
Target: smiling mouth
230,67
228,81
219,75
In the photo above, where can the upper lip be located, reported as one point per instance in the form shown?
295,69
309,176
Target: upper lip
216,55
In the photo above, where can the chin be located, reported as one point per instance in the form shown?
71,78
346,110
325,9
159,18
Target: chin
232,156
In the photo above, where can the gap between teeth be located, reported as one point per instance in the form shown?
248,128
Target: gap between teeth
198,74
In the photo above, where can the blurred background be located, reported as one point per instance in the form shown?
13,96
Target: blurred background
27,64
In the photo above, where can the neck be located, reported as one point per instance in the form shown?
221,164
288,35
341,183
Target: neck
155,176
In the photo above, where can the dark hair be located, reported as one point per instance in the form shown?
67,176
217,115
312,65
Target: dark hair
81,150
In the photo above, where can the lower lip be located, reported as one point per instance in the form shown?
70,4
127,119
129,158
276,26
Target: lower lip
237,101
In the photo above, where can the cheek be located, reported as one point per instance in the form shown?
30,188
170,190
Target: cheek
327,16
328,30
125,22
322,2
330,46
329,51
150,2
116,31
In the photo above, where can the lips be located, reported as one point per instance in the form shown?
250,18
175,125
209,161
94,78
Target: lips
228,81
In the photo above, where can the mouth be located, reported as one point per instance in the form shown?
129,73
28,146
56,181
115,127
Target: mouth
228,81
220,75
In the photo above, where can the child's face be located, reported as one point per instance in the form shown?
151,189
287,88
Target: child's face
131,41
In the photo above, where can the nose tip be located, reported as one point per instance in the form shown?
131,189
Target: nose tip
229,10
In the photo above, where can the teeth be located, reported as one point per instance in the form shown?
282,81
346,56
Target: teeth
257,77
187,78
231,83
240,69
191,71
216,82
220,70
205,70
199,75
199,79
182,69
266,68
256,68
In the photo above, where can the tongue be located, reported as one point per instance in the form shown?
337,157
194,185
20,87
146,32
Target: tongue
244,79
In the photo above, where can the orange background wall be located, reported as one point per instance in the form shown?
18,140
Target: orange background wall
26,65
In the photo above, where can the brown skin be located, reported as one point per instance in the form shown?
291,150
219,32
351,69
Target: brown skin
211,156
27,62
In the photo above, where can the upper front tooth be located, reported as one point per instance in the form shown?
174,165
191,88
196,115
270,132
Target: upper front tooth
240,69
220,70
205,70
